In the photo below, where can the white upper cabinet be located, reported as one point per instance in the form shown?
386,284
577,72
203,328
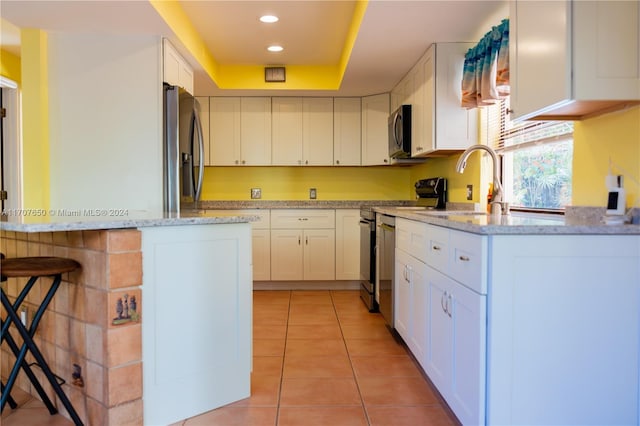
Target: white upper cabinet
240,131
286,120
224,131
302,131
440,125
582,62
176,71
375,138
346,131
317,131
255,131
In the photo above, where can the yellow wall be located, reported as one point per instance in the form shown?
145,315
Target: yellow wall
10,66
293,183
35,119
614,136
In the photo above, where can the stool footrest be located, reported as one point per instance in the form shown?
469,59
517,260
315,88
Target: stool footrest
59,379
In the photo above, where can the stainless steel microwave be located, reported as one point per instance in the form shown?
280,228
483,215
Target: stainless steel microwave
400,132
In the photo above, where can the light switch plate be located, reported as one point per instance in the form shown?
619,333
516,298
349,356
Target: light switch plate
313,193
469,192
256,193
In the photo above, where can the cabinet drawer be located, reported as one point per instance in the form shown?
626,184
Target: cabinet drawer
468,260
263,215
303,219
438,248
411,237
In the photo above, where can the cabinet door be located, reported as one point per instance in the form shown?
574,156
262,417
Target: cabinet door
347,244
255,131
600,71
203,108
539,77
422,108
319,254
261,252
456,128
346,131
286,254
468,362
375,138
419,310
317,129
224,131
402,294
439,357
286,129
171,64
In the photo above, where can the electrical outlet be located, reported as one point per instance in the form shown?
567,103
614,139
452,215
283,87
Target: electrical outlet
256,193
469,192
313,193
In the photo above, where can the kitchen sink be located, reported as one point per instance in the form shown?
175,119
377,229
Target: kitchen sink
452,213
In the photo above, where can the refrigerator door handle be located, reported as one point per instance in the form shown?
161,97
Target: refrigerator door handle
198,183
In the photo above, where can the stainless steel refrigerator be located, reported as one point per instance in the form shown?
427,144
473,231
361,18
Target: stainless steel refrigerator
183,150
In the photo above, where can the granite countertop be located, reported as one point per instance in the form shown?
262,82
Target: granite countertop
298,204
39,220
583,223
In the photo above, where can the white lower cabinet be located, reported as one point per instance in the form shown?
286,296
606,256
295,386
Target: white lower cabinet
410,302
456,344
303,244
347,244
443,321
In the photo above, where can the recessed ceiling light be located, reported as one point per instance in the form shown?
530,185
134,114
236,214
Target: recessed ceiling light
269,19
275,48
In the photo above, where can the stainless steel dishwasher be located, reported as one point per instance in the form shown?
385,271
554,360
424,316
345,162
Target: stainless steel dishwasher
385,263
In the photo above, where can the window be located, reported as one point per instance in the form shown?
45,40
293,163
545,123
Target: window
536,159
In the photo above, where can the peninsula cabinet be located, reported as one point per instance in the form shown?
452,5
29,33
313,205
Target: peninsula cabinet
240,131
375,133
346,131
581,63
523,329
303,244
302,131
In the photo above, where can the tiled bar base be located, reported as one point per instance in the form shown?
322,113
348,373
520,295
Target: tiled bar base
93,326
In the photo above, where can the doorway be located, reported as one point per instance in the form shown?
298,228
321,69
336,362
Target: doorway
11,191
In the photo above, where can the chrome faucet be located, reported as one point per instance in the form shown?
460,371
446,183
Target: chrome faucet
497,205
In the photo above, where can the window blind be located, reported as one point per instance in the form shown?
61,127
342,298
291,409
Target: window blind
503,135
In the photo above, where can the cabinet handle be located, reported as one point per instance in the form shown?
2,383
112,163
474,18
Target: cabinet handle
442,301
449,304
337,161
385,161
418,148
306,240
298,240
464,258
237,161
436,248
306,161
243,161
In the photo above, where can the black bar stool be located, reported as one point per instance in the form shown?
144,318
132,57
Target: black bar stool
34,268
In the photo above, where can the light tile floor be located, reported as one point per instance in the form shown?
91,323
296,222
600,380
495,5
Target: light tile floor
319,358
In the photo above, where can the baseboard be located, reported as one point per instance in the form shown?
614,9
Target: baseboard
306,285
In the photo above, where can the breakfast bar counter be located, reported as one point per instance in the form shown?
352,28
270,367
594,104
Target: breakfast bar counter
155,326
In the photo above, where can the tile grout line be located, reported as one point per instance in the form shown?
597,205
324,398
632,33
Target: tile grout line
284,351
355,378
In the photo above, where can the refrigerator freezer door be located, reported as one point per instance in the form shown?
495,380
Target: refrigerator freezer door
171,150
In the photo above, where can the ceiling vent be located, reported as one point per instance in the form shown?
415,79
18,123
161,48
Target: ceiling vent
274,75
